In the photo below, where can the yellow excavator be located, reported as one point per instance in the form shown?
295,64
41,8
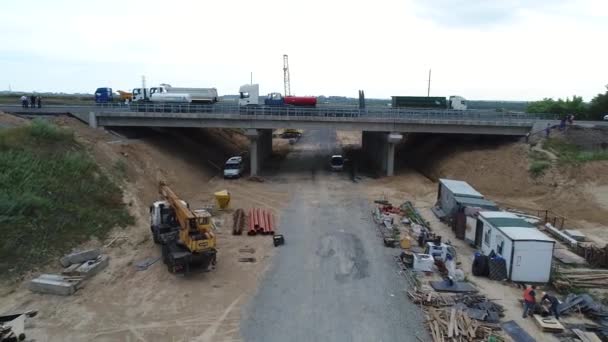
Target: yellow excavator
193,245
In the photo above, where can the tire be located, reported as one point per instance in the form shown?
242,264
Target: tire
155,236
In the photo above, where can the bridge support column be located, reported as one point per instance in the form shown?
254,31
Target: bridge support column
92,120
252,134
260,148
391,140
379,150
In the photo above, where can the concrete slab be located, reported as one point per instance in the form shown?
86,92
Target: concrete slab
79,257
71,270
575,234
92,267
55,284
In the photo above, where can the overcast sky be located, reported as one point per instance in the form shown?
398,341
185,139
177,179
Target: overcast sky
507,49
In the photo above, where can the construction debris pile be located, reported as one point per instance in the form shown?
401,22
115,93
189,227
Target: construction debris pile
463,317
595,256
12,327
594,310
79,266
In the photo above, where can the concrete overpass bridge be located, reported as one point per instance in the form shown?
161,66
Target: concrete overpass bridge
381,128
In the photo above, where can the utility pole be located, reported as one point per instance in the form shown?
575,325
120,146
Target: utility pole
286,79
251,78
428,91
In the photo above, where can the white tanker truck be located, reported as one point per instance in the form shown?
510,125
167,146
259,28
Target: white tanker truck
165,93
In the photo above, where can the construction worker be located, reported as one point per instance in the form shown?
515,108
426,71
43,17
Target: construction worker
554,303
529,300
24,101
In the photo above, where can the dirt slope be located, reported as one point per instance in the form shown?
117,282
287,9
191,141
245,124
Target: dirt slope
499,170
124,304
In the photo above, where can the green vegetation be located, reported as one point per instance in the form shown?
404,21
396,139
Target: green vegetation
540,162
594,110
53,197
568,153
537,168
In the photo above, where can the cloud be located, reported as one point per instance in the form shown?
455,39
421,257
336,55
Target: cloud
475,13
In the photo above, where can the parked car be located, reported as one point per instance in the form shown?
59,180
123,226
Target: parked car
606,117
336,162
234,167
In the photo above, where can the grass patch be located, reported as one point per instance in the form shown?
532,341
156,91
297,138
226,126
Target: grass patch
120,169
538,168
568,153
53,197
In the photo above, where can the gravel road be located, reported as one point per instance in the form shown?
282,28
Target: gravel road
333,280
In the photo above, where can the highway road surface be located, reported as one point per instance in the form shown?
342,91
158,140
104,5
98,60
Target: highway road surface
333,280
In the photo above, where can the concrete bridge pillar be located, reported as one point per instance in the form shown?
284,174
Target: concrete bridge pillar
391,140
260,148
379,150
252,134
92,120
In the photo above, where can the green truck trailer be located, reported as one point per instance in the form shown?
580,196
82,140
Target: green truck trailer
429,102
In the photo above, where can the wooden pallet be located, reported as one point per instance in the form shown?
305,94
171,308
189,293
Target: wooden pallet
549,324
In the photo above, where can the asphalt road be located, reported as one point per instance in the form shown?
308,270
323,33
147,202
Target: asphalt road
332,280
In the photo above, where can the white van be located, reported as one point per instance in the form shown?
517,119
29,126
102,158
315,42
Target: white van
234,167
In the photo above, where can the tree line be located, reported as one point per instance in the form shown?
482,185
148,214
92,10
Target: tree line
594,110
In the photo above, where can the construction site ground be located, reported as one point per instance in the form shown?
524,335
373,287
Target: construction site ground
333,280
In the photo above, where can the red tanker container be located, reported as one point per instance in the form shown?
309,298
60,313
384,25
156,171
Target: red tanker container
310,101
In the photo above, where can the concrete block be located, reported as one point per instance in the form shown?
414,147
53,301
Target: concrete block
80,257
71,270
92,267
54,284
575,234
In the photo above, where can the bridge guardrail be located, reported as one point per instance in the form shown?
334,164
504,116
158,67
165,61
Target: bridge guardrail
317,112
332,113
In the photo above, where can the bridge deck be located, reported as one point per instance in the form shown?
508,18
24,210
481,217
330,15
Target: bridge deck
345,118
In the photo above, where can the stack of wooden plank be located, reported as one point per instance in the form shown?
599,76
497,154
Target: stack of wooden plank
431,298
448,322
586,336
451,324
238,222
581,278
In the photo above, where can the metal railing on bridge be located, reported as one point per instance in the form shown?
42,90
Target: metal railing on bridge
286,112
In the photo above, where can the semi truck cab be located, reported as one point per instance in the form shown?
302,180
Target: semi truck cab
249,94
458,103
274,99
104,95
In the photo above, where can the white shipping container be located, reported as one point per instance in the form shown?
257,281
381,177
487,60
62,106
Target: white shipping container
527,251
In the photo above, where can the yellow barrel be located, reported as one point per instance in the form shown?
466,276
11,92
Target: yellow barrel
406,242
222,198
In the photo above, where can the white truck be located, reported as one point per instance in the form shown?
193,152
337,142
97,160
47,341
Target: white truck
167,93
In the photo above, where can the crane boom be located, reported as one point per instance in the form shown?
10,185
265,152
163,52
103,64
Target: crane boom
195,227
286,78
